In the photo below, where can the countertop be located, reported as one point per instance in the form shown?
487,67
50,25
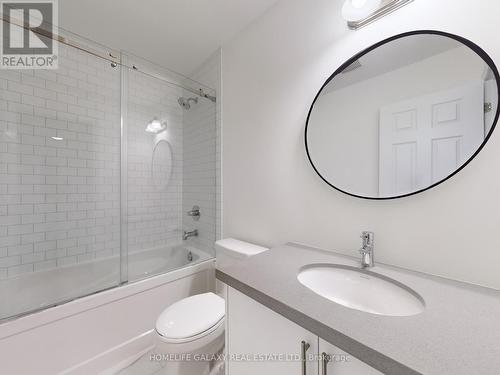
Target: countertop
458,333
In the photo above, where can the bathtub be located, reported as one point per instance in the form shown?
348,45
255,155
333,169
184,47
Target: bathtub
87,334
39,290
152,262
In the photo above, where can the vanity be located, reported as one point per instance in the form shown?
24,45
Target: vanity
396,120
277,325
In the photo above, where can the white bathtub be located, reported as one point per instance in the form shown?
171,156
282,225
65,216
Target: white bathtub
38,290
153,262
89,333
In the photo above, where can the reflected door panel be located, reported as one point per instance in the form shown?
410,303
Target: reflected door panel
425,139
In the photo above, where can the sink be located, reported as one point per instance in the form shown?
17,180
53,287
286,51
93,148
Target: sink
361,290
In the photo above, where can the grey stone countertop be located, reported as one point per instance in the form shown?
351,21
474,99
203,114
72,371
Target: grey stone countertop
458,333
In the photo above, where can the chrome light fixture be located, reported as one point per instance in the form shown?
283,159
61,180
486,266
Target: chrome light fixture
155,126
359,13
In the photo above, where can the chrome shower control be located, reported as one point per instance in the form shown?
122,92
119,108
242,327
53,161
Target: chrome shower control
195,213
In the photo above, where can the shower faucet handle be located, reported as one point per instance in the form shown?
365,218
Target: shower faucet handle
195,213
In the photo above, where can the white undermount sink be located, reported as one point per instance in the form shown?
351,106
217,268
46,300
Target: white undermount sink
361,290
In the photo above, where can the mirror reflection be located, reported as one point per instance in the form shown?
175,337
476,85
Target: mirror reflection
402,117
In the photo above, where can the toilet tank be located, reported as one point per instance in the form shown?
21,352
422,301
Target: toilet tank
230,249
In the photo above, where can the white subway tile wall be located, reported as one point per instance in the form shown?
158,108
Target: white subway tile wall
202,169
154,197
59,164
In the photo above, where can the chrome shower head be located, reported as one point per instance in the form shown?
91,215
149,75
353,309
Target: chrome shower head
185,102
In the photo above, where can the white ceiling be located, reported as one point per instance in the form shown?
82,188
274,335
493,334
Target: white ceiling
176,34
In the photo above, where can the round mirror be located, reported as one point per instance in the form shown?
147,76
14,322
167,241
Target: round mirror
162,164
403,116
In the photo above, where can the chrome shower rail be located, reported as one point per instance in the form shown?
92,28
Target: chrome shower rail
114,57
61,39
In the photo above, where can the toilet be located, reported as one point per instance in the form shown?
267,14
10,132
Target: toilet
191,332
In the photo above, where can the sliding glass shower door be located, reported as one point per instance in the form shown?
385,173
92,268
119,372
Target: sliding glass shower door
101,160
59,181
153,165
168,162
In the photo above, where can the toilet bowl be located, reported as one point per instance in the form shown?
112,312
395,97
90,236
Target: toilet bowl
190,333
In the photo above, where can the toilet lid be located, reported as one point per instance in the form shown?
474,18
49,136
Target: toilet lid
191,316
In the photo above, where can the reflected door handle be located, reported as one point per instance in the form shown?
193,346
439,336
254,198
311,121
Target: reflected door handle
325,358
304,346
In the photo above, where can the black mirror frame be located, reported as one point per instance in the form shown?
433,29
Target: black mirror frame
478,50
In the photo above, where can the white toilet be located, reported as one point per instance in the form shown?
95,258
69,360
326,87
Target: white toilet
190,332
192,329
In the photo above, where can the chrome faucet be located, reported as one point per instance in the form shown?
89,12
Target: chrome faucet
186,234
195,213
367,249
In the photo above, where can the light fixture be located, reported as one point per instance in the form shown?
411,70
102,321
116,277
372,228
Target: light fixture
357,10
359,13
155,126
57,138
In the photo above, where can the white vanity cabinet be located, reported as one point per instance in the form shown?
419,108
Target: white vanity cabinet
337,362
254,332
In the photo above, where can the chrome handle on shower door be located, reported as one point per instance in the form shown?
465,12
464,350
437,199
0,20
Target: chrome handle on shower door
325,358
304,346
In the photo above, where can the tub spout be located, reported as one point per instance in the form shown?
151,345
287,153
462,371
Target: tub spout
186,234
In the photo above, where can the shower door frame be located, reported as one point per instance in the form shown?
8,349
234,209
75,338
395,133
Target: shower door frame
124,171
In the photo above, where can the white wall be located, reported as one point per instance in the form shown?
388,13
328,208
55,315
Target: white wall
271,73
344,124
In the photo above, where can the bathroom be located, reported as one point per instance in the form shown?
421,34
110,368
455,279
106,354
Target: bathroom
176,197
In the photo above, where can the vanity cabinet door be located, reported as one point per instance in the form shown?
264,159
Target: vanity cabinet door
257,336
341,363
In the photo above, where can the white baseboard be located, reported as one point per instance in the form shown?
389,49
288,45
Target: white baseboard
115,359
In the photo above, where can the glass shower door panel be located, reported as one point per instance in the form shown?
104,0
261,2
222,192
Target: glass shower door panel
170,167
154,175
59,182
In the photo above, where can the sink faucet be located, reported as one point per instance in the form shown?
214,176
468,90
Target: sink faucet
186,234
367,249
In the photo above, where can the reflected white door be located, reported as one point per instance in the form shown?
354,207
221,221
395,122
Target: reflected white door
424,139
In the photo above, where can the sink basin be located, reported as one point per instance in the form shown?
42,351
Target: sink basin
361,290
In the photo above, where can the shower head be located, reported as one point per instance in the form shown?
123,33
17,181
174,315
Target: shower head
185,102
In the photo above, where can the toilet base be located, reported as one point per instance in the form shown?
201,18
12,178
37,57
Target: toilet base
197,357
